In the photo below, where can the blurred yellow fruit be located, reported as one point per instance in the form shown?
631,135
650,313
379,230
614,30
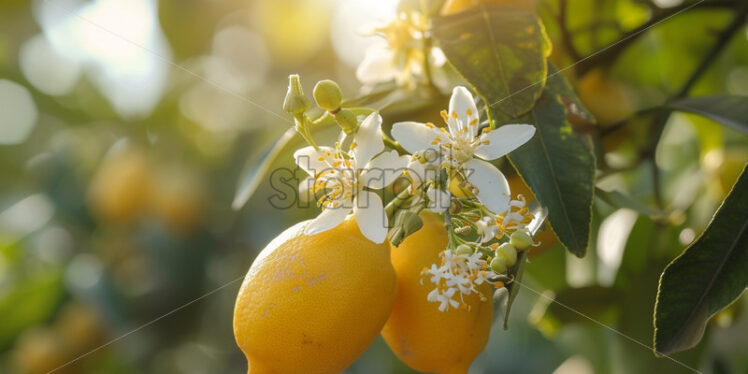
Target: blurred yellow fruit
120,190
455,6
80,327
178,199
420,335
606,98
39,351
313,303
294,30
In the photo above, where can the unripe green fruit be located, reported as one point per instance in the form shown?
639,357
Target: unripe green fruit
521,239
464,249
327,95
498,265
508,252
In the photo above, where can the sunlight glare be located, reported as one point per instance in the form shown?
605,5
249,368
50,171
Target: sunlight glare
351,21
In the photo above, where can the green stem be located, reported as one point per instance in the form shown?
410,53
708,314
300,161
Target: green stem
392,143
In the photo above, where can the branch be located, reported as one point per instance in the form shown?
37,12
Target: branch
660,120
610,53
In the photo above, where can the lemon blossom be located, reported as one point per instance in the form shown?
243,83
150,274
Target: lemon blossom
460,143
341,176
487,228
400,56
457,275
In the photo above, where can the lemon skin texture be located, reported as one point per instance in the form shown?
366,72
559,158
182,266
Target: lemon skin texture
419,334
313,303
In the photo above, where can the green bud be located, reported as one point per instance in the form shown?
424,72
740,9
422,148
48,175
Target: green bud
498,265
347,121
464,249
521,239
295,102
327,95
405,223
508,252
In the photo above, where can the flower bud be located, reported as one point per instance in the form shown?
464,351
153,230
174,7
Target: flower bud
521,239
405,223
295,102
464,249
508,252
498,265
327,95
347,121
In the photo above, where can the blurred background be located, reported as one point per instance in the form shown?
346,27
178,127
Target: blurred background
125,126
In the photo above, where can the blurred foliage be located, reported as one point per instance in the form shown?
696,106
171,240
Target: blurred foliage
124,128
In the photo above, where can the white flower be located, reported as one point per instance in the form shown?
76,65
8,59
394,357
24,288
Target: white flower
457,274
487,228
516,217
400,56
342,176
460,143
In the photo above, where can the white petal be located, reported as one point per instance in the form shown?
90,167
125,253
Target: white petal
463,106
503,140
378,65
314,161
416,137
329,218
383,170
368,139
369,212
493,188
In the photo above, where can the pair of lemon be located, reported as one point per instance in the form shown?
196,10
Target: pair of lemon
314,303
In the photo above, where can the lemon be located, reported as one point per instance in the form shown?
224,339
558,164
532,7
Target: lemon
607,98
178,198
417,332
120,189
314,303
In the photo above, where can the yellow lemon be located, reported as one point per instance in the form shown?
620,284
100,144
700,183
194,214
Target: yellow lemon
178,198
120,190
606,97
314,303
420,335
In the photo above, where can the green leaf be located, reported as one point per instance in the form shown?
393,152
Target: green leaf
28,302
501,51
619,200
255,170
708,276
559,167
731,111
